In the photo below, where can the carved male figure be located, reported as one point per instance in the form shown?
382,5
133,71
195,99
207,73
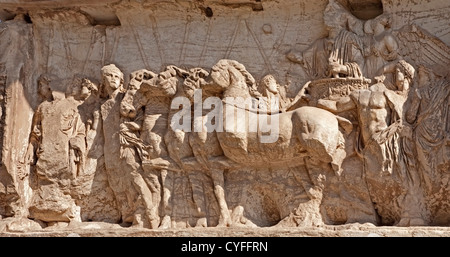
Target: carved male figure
383,144
57,136
273,98
122,163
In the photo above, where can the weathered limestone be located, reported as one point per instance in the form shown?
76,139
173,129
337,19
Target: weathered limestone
180,114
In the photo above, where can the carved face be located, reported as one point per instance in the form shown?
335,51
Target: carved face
44,89
424,78
85,92
112,79
272,85
76,90
378,28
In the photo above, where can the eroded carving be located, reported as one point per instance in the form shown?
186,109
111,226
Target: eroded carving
170,148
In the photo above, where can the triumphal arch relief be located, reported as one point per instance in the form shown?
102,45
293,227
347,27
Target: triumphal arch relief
181,114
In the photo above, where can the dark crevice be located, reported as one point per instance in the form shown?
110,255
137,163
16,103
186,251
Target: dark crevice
258,7
27,19
208,12
367,9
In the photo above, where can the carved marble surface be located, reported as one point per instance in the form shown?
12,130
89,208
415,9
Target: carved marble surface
133,116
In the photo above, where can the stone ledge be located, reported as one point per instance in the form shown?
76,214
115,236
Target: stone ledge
99,229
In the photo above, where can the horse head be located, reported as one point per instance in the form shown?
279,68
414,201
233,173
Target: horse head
231,76
193,81
185,82
141,82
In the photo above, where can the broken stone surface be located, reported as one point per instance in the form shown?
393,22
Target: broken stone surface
91,95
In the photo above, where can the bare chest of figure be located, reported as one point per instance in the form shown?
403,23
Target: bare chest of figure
374,112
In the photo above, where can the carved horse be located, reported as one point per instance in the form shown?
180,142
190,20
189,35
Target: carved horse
307,136
188,151
205,153
206,149
147,102
304,132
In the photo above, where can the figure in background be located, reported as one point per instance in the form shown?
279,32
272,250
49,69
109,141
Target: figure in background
90,113
57,140
341,52
380,45
75,129
91,182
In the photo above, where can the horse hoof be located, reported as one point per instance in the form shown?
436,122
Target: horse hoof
201,223
165,223
223,223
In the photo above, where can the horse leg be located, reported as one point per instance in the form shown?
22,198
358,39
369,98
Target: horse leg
308,213
198,197
219,192
167,186
339,156
151,178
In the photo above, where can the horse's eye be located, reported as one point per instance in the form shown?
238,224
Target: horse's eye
148,76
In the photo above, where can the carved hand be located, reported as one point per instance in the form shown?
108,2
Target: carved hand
294,57
29,155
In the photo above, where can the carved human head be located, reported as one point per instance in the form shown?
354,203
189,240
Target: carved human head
425,76
44,88
87,88
269,83
404,75
112,78
74,88
377,25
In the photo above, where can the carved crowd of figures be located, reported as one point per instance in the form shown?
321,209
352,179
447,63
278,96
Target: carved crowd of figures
399,128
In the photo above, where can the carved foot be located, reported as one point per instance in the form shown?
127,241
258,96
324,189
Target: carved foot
238,219
137,221
17,224
154,223
411,222
201,223
165,223
225,222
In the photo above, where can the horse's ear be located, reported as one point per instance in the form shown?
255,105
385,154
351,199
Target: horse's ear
137,75
147,75
181,72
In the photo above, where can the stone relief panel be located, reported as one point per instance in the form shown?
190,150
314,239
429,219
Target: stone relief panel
129,124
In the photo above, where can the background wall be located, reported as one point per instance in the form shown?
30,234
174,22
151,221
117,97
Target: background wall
66,38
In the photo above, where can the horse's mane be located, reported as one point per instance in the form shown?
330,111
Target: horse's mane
249,80
190,76
143,76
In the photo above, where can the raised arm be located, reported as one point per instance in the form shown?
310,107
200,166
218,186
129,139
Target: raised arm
35,138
